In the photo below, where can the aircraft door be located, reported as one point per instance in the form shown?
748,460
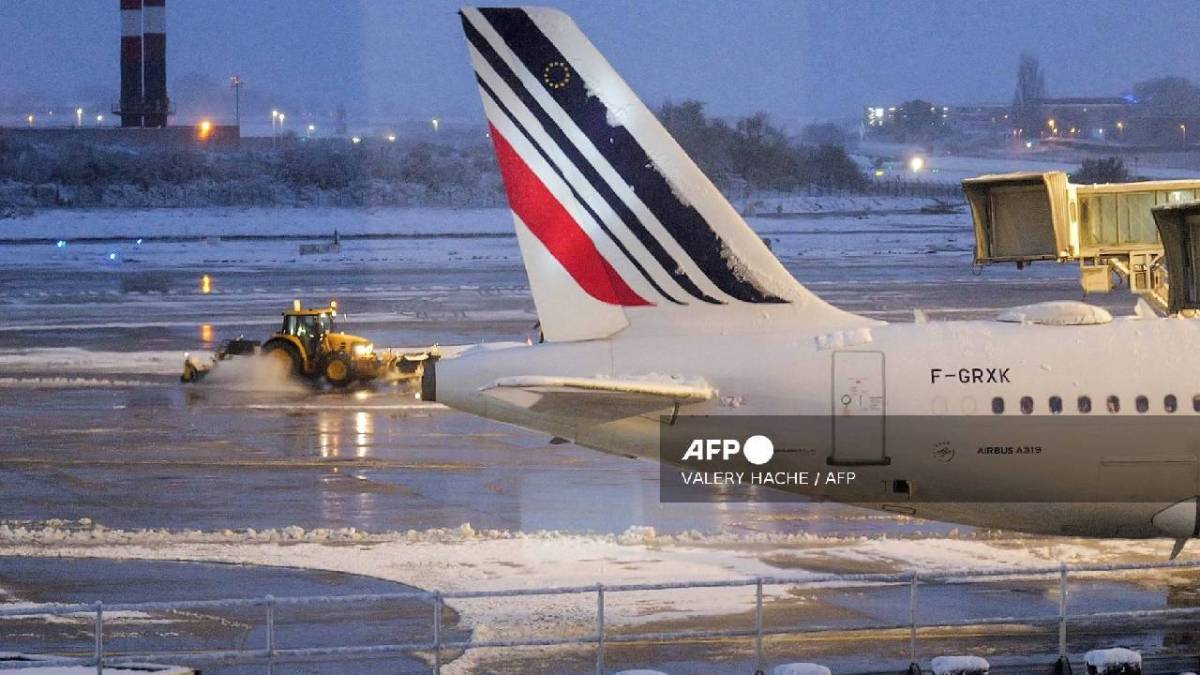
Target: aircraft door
859,408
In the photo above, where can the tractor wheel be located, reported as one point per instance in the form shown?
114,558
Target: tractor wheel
338,370
286,356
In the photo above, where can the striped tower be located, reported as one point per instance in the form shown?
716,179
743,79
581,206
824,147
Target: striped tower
154,37
131,63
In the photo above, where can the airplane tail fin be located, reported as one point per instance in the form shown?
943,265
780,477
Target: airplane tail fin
616,224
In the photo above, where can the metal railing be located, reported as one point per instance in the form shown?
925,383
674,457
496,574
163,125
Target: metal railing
269,655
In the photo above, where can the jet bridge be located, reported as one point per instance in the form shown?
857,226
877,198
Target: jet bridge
1107,229
1179,230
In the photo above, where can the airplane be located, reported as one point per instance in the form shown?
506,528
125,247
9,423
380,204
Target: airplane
663,314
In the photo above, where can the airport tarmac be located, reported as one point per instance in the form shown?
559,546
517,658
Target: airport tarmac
100,431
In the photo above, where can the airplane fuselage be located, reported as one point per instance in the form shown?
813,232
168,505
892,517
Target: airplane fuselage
1082,430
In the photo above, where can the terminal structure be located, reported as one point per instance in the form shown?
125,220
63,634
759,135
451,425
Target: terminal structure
1107,229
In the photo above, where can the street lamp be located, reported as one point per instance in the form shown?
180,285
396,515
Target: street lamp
1183,132
79,117
99,120
309,131
1121,130
29,119
391,138
274,122
436,123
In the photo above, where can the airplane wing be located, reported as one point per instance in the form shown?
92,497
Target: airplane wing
597,397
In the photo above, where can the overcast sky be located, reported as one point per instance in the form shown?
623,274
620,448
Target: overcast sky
793,59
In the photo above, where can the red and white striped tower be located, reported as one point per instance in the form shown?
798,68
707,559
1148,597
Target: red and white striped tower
131,63
154,38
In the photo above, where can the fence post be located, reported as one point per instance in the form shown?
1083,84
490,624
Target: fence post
99,654
270,634
1062,612
759,662
912,618
437,632
599,629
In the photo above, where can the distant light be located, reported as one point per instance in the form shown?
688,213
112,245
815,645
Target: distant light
99,119
312,127
878,172
916,164
112,256
1028,144
204,130
436,123
61,243
206,284
206,332
30,119
355,140
391,138
139,241
274,114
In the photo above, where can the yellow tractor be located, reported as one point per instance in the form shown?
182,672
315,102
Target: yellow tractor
307,345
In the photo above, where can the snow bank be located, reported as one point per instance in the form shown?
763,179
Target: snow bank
801,669
1115,660
960,665
463,558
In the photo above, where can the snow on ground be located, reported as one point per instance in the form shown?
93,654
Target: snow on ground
213,222
78,360
463,559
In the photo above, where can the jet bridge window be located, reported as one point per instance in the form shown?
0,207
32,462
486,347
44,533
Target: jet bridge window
1170,404
1056,405
1114,404
1026,405
1142,404
1085,404
998,406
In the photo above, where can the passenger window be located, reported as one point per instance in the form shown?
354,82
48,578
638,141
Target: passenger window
1114,404
1085,404
998,406
1170,404
1142,404
1055,405
1026,405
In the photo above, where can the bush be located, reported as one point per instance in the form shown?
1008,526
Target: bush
1106,170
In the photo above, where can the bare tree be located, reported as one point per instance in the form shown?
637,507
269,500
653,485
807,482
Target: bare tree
1027,101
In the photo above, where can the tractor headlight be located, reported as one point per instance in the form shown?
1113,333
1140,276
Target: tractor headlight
361,350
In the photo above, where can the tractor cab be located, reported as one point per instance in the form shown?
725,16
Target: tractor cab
309,326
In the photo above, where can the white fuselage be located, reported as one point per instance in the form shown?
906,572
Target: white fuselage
1084,478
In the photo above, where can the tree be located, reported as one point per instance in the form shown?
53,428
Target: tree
1027,100
1106,170
826,133
1169,95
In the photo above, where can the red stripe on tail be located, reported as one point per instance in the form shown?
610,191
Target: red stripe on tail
549,221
